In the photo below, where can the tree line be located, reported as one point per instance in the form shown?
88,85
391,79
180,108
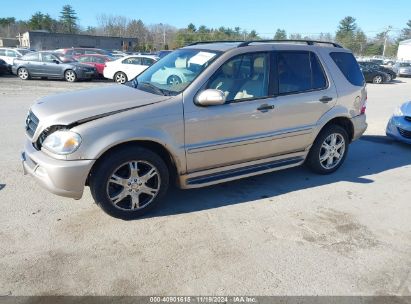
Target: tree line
165,36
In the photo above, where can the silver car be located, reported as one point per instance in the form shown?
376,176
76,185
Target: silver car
245,108
402,69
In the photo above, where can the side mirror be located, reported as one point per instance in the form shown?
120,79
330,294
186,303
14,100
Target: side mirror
56,61
210,97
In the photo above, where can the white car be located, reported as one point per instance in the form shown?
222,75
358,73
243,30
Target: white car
9,54
128,67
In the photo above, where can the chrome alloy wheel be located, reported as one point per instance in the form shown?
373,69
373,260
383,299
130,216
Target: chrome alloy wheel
133,185
332,151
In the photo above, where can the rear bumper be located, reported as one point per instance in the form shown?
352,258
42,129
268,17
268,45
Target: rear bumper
62,177
360,125
87,75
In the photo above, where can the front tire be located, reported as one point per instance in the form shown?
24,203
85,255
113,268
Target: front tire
329,150
130,182
23,73
70,76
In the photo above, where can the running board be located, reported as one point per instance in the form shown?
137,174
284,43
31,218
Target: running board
243,172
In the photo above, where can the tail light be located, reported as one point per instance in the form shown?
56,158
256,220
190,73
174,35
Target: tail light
364,105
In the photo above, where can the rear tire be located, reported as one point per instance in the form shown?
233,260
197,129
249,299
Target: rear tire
120,78
329,150
23,73
378,79
174,80
129,182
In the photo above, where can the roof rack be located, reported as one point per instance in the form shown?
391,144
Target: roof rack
216,41
308,42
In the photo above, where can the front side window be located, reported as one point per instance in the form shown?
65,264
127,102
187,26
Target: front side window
2,52
46,57
147,61
242,77
349,67
172,74
98,59
83,59
299,72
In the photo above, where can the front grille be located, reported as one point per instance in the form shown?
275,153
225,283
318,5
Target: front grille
407,118
405,133
31,124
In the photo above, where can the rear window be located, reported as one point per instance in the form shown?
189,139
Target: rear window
349,67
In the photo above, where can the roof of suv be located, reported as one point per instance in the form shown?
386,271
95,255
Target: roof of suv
224,46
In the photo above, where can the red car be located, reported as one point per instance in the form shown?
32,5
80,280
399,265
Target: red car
96,60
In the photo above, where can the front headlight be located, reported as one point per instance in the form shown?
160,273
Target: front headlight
62,142
398,112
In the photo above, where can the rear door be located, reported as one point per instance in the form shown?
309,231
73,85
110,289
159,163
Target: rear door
132,66
33,63
304,94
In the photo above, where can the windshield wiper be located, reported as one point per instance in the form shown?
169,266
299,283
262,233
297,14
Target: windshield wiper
153,87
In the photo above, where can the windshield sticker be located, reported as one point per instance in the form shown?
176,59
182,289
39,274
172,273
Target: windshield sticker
201,58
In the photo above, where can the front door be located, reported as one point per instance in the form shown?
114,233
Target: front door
50,65
239,130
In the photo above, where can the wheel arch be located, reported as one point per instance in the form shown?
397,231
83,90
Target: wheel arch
343,122
153,146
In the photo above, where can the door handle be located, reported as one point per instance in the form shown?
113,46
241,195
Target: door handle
325,99
265,107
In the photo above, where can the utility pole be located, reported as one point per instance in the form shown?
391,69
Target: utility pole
164,35
388,29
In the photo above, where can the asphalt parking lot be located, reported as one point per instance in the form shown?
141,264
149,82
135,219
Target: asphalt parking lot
286,233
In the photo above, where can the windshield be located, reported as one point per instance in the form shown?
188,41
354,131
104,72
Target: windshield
405,64
173,73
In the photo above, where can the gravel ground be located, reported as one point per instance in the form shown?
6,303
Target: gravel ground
286,233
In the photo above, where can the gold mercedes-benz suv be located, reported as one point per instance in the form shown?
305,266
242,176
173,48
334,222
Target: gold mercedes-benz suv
204,114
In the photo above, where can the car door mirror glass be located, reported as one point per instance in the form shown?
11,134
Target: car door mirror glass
210,97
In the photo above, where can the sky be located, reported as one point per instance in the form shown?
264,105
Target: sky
306,17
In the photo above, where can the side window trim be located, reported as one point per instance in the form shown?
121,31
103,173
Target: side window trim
310,53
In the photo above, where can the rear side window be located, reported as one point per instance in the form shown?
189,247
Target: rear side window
31,57
11,53
299,72
132,60
349,67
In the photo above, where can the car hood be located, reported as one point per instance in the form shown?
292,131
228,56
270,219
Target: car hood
85,105
406,108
